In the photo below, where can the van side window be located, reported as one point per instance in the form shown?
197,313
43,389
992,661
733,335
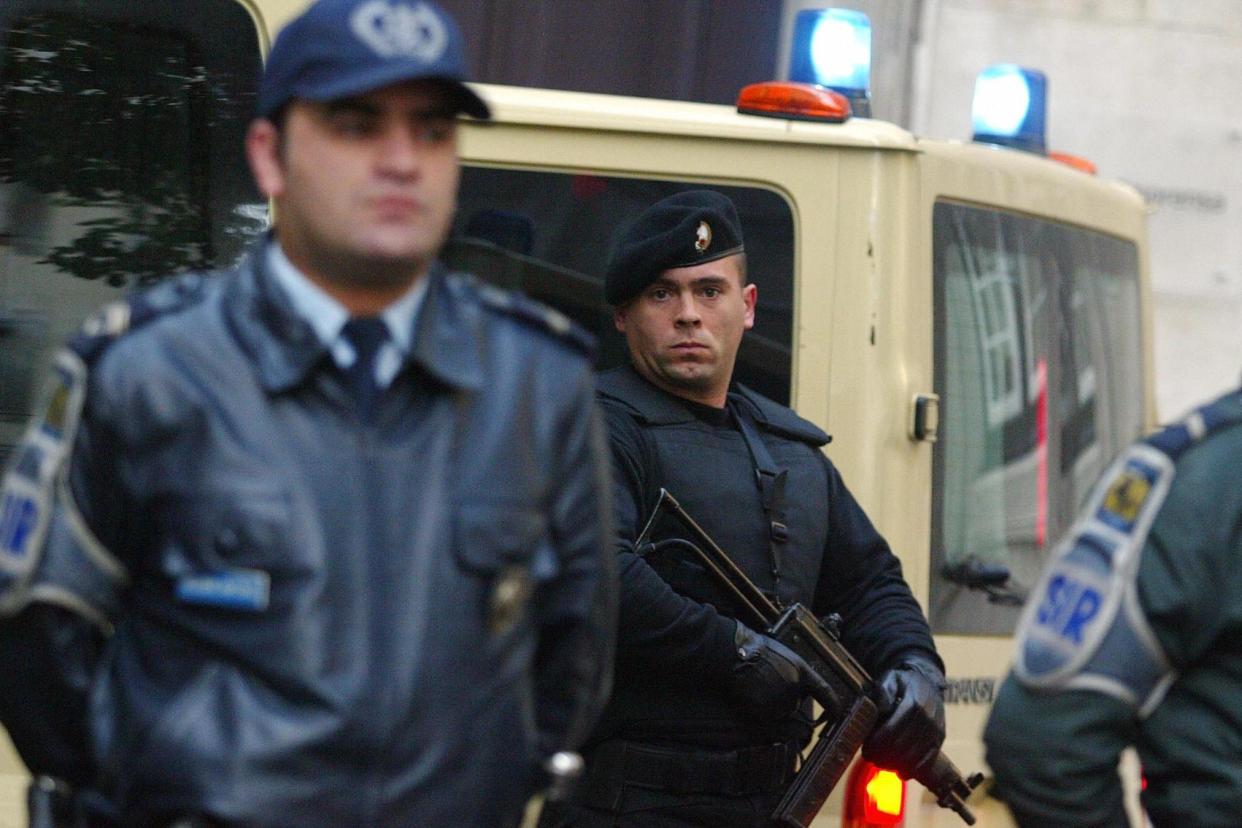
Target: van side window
121,128
1039,369
550,234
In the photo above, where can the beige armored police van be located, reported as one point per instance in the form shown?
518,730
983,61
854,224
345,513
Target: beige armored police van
970,321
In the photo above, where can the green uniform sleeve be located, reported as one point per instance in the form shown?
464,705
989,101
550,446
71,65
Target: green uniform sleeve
1054,755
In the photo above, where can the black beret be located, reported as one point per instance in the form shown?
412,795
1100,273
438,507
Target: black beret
683,230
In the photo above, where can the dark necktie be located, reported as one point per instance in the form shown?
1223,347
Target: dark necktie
366,334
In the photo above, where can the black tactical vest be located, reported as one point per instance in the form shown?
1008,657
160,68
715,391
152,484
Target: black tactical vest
709,468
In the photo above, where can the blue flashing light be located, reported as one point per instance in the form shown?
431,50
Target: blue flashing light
832,48
1010,106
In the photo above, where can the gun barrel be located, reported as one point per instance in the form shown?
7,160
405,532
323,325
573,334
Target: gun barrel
955,803
941,777
727,573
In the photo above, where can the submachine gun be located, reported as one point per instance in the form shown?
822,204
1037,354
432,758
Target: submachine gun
849,709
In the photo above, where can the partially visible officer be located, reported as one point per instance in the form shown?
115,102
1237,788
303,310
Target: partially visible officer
1134,637
321,540
707,715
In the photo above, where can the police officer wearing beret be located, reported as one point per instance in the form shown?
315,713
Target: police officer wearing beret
707,715
320,540
1134,637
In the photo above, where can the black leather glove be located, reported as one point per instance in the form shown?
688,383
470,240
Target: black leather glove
911,701
769,679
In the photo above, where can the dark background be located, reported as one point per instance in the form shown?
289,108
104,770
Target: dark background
690,50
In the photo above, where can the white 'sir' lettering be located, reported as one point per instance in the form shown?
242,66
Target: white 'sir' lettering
399,30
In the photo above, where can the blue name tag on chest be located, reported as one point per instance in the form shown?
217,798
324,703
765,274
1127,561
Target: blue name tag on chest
248,590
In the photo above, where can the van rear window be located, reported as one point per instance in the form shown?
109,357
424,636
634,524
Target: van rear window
1040,375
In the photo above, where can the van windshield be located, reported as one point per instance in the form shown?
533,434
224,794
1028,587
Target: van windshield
549,234
121,130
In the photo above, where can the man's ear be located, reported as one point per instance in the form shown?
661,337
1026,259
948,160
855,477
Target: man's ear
618,316
750,295
263,153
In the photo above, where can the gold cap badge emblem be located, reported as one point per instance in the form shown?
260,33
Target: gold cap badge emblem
702,236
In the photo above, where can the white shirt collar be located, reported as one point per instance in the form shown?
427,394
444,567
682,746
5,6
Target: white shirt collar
326,316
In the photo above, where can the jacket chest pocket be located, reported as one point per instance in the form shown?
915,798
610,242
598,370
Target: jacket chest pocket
505,550
232,550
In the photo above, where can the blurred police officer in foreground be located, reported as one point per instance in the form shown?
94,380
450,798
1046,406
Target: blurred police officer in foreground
317,541
707,715
1134,637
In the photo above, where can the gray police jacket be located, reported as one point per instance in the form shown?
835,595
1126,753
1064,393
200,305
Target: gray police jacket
317,620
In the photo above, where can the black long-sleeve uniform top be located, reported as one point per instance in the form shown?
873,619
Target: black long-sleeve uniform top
675,636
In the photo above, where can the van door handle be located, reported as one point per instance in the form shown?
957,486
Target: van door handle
925,417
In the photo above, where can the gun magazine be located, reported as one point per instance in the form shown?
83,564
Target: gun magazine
822,770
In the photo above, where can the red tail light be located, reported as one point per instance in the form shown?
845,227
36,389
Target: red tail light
874,798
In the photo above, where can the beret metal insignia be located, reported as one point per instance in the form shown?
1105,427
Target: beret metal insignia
702,237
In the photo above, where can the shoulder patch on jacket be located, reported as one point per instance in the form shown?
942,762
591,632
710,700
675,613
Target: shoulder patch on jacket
116,319
779,418
1083,627
534,314
27,489
47,551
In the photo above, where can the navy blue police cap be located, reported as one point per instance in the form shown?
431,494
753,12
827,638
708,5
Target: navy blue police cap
339,48
683,230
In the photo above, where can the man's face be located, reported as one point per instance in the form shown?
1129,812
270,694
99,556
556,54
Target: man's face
365,187
684,329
